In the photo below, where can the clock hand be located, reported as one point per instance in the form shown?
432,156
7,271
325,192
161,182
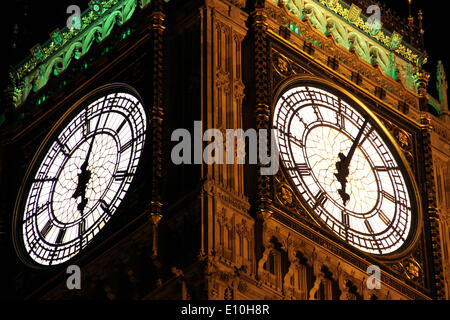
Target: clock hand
80,191
342,166
84,176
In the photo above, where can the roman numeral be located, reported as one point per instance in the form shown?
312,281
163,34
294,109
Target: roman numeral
86,127
342,122
388,196
105,207
126,146
44,180
321,199
366,135
345,218
340,119
302,169
48,226
122,175
60,237
318,114
64,148
384,169
295,141
368,226
81,228
384,218
121,125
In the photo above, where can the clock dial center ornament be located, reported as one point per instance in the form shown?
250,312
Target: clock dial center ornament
345,169
80,176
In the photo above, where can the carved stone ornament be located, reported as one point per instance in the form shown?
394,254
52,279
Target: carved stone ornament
403,138
282,65
412,269
285,195
404,141
222,79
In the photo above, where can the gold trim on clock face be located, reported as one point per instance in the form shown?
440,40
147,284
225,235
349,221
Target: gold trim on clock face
346,170
80,175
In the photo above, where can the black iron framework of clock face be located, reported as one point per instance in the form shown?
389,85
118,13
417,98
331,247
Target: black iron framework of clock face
79,176
345,168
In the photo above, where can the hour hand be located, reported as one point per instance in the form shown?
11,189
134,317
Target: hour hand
82,204
344,195
80,191
341,176
83,180
343,165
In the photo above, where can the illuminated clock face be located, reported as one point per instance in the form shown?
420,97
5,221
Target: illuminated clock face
87,166
344,169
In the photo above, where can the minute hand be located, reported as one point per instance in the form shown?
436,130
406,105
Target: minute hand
342,166
350,154
85,175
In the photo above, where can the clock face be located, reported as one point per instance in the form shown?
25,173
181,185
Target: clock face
81,176
344,169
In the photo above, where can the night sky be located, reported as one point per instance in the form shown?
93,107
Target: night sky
37,19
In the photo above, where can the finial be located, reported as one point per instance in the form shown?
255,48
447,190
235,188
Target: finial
420,18
422,32
15,36
410,17
422,80
442,88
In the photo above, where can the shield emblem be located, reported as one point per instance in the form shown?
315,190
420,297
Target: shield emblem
353,13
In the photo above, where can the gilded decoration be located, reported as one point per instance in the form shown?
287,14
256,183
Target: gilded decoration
404,141
354,13
284,68
412,269
286,197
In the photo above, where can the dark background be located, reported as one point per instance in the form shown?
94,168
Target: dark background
28,22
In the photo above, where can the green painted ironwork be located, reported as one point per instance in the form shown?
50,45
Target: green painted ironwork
387,43
55,55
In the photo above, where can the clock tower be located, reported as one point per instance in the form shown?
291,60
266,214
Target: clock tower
359,208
